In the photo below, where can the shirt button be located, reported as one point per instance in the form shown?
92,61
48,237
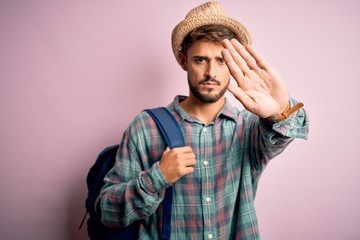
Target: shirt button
205,129
210,236
206,163
208,199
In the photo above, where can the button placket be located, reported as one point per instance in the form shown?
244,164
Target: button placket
207,201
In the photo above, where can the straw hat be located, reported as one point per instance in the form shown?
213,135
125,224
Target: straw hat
206,14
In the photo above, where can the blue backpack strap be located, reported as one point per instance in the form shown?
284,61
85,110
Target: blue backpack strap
173,137
168,126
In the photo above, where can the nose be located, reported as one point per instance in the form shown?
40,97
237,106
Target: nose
210,71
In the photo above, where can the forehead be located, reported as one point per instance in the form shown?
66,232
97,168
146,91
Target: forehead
205,48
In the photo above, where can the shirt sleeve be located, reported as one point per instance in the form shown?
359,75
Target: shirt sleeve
135,186
269,139
296,126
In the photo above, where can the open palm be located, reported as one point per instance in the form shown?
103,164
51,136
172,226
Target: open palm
259,86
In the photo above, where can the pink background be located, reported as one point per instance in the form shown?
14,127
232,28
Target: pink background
73,74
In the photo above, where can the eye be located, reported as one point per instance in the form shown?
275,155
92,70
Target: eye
221,60
200,59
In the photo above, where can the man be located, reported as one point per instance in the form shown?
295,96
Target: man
215,176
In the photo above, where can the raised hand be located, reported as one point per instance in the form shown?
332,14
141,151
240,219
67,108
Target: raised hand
177,162
259,86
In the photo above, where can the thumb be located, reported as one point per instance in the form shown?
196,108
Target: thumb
166,150
240,95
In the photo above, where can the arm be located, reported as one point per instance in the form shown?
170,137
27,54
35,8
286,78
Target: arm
269,139
261,91
134,187
276,136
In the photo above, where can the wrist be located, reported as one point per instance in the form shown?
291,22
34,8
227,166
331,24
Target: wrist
286,113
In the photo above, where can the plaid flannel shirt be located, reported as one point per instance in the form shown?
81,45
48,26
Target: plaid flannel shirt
216,201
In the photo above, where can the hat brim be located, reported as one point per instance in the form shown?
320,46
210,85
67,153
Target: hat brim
189,24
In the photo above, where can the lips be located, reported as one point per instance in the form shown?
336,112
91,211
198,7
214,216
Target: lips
209,85
211,82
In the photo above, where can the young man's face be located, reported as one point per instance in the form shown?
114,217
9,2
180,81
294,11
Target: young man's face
208,75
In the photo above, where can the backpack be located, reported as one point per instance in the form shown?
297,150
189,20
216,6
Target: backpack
173,137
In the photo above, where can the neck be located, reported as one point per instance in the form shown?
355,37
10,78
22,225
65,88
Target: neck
205,112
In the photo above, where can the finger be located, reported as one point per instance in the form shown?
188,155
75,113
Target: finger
166,152
242,97
183,153
189,162
187,156
247,57
260,60
187,171
234,56
183,150
234,68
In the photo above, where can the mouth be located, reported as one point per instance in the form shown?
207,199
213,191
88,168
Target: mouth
210,82
209,85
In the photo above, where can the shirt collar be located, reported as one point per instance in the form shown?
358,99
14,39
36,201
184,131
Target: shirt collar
228,111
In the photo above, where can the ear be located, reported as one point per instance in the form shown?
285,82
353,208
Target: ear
183,62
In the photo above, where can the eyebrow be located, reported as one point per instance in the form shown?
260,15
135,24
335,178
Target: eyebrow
207,58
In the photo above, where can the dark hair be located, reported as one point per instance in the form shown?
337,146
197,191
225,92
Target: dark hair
211,33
